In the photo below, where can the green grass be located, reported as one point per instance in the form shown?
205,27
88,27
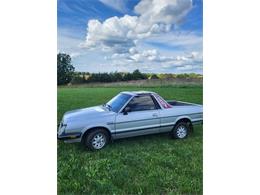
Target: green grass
153,164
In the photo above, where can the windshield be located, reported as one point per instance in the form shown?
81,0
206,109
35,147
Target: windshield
116,103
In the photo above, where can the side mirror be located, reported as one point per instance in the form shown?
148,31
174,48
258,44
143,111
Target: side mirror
126,110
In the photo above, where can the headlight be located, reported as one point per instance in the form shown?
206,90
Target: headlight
61,128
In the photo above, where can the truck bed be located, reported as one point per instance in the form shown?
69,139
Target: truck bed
177,103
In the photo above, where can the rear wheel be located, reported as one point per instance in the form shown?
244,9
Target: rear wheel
181,130
96,139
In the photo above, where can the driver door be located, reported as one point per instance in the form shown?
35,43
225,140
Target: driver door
141,119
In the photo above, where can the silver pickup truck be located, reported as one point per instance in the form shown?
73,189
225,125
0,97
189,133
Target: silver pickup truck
129,114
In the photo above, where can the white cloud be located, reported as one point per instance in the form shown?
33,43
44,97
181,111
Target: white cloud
128,40
184,39
119,34
133,50
75,54
162,11
118,5
113,34
149,55
186,67
154,57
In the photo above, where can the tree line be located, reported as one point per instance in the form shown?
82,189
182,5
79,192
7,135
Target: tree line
86,77
66,74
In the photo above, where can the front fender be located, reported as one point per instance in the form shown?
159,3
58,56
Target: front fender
89,127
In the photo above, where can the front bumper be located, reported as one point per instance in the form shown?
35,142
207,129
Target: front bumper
68,136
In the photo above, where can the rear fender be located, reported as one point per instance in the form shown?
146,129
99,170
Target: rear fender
185,118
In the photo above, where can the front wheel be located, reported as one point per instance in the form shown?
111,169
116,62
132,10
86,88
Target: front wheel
96,139
181,130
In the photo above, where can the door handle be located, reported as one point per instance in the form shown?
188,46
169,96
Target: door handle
155,115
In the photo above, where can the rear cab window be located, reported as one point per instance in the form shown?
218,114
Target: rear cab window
162,102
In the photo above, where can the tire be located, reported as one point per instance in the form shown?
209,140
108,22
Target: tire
181,130
96,139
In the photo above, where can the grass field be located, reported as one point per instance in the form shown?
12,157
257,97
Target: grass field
153,164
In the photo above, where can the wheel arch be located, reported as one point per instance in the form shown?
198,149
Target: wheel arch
185,119
90,129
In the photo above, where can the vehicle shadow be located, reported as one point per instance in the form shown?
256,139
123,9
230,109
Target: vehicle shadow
142,140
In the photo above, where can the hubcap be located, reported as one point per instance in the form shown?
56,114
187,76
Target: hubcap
98,141
181,131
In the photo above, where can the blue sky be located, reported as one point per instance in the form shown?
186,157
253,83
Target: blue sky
160,36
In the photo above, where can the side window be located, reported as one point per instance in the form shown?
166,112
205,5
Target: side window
140,103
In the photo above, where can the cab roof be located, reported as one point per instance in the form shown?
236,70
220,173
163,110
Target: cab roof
138,92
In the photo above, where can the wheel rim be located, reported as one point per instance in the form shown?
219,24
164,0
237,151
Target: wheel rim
98,141
181,131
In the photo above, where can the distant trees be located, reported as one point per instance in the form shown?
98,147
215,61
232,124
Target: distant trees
86,77
167,76
136,75
66,74
78,78
65,69
116,76
127,77
153,76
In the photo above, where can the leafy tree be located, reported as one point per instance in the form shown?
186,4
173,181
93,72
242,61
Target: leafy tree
105,77
153,76
137,75
128,76
167,76
64,68
193,75
117,76
77,79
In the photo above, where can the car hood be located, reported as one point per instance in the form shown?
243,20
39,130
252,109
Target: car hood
90,112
